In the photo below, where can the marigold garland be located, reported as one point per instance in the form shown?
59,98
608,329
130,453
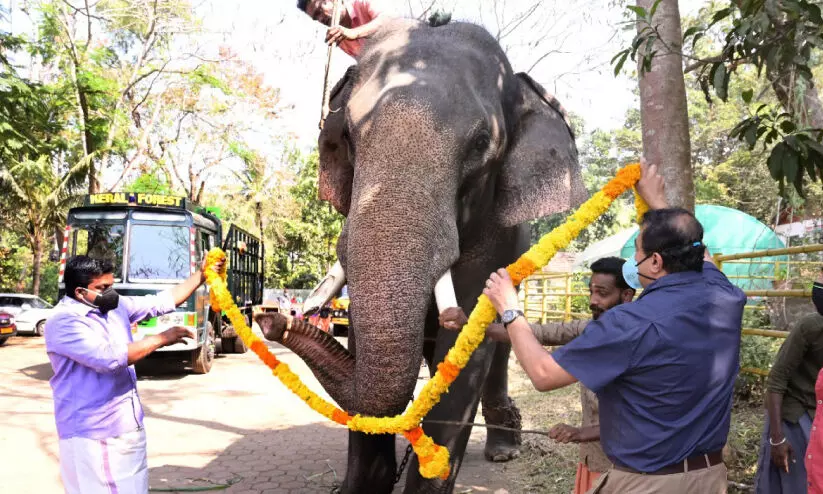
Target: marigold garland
433,458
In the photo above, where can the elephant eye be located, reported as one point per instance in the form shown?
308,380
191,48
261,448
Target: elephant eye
481,142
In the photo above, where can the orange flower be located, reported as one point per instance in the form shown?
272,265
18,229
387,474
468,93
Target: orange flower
414,435
521,269
340,416
449,371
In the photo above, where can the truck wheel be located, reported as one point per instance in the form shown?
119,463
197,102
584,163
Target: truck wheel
239,346
227,344
203,357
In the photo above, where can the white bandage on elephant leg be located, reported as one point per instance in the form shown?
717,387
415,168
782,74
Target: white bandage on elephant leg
326,290
444,294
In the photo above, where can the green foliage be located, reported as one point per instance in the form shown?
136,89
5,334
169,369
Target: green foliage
781,41
755,352
14,263
643,46
148,182
306,248
48,284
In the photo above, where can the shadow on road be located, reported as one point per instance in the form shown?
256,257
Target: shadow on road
40,372
299,459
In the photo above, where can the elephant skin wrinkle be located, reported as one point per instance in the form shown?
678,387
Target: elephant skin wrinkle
328,360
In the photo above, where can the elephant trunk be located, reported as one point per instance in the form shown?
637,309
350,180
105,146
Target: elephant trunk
330,362
392,265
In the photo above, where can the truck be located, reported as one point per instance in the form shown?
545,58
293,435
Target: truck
340,313
156,241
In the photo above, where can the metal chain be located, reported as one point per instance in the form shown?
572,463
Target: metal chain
403,463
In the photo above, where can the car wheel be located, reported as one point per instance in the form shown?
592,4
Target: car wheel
3,340
40,328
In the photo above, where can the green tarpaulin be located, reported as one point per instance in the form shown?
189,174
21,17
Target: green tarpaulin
730,231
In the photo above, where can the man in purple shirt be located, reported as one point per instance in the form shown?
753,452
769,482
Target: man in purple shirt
98,412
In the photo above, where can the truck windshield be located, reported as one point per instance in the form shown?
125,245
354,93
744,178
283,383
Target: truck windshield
100,241
159,253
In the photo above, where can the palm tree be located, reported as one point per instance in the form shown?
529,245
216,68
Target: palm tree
41,198
255,184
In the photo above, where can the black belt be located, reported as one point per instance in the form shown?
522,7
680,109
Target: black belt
696,462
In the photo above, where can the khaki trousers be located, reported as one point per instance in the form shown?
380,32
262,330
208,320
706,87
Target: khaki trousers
712,480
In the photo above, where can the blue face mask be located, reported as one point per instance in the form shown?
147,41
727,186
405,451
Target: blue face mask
631,275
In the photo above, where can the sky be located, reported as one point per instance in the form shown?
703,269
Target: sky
573,42
565,46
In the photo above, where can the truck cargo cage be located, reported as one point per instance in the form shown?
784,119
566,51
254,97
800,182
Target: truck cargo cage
245,271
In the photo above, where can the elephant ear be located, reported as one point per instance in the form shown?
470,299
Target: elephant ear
336,171
540,173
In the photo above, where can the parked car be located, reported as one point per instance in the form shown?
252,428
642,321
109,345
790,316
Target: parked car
7,327
30,311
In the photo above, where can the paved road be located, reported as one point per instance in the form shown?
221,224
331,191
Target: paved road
236,423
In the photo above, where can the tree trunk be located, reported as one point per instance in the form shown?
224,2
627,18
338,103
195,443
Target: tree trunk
258,212
87,138
663,111
803,103
37,258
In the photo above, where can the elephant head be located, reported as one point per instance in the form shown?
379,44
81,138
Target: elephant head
434,146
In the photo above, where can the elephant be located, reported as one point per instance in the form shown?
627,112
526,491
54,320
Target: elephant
438,155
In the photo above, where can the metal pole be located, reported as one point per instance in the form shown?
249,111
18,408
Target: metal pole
802,249
544,299
335,21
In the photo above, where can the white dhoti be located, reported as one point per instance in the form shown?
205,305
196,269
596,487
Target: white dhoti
105,466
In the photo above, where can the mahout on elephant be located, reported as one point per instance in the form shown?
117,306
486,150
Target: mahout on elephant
438,154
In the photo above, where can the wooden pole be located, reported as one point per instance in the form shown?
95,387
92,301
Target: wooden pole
335,21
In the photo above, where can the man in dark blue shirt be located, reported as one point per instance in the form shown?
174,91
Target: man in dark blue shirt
662,367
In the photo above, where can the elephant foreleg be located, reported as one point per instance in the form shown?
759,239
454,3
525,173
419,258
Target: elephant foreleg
499,409
330,362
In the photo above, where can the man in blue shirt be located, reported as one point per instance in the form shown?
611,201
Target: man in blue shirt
662,367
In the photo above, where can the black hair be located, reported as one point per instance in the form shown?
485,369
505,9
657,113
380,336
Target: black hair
302,4
612,266
677,236
81,270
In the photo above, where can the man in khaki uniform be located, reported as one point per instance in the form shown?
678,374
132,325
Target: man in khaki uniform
607,289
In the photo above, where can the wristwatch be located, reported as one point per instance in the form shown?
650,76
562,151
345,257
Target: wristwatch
510,315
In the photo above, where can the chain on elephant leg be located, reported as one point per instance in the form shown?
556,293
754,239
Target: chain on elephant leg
502,445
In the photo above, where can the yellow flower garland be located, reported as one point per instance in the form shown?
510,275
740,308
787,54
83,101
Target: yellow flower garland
434,459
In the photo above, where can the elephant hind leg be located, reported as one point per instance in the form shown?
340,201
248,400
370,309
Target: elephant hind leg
499,409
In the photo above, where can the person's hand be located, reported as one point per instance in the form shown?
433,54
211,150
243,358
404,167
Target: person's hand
564,433
782,455
651,186
501,292
453,318
337,34
217,267
175,335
